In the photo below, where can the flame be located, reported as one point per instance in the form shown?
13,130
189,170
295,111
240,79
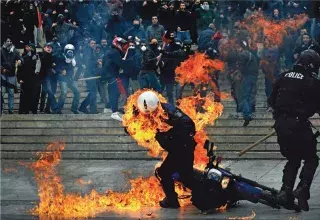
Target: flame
55,202
273,30
252,216
83,182
10,170
225,95
197,69
143,128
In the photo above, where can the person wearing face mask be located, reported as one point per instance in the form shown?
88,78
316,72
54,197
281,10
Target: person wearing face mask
96,28
65,66
150,59
155,31
10,61
61,30
130,69
172,55
204,17
28,77
136,32
116,26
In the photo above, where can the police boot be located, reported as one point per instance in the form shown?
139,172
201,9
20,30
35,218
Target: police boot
302,194
172,203
171,199
285,197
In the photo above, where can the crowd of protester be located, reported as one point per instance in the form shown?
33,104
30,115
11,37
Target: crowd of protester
137,44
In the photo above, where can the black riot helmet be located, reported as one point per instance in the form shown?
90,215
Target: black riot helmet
309,60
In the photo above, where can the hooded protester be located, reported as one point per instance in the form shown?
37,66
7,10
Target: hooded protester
61,30
30,20
172,55
166,15
48,20
150,60
89,66
10,61
112,62
65,67
29,79
131,9
116,26
96,28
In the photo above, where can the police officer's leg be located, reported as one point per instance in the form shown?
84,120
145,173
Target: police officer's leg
294,161
311,162
165,171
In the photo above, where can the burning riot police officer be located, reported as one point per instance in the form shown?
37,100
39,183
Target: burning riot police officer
178,142
295,98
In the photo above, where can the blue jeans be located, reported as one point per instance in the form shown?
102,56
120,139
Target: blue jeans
269,83
47,84
184,35
248,86
10,97
66,82
149,80
91,98
113,92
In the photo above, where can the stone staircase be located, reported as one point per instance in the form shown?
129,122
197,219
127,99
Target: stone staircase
100,137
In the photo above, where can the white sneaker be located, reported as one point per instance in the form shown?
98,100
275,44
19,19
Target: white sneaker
116,116
107,110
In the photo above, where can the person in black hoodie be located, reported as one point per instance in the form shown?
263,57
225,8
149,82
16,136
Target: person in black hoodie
172,55
28,77
183,23
111,64
47,76
150,61
166,15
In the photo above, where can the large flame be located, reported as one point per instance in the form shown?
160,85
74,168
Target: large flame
55,203
143,127
197,69
273,30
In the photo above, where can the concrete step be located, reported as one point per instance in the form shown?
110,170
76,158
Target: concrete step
76,155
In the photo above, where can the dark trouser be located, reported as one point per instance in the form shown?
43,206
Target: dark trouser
149,80
91,98
169,89
249,92
180,161
28,99
113,92
176,162
49,86
297,142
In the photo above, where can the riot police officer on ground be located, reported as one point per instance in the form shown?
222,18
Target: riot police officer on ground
295,98
178,141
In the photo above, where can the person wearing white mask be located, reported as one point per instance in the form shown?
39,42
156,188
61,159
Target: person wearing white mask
205,16
65,66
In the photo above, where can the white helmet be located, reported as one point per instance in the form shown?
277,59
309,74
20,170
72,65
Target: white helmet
148,102
69,47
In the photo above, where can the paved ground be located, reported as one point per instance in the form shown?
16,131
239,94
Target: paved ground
19,190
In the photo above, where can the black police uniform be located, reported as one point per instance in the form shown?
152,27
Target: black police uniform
295,98
179,143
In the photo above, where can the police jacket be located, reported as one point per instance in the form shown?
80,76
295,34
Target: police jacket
180,137
296,93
